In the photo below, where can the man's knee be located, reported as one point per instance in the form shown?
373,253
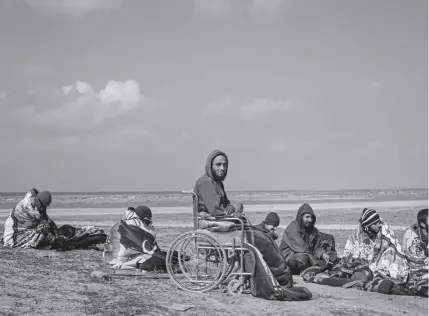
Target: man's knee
299,261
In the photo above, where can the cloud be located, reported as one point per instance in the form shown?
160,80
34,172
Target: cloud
79,111
252,108
75,8
125,94
255,8
3,95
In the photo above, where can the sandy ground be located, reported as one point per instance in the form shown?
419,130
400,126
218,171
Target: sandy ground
36,282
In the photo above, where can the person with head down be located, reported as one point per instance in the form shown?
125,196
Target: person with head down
303,246
213,201
132,243
28,225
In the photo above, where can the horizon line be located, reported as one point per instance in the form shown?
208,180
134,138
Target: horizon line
251,190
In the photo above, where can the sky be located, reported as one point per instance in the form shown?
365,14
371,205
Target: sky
120,95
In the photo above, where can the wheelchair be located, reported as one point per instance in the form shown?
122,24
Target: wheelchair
206,260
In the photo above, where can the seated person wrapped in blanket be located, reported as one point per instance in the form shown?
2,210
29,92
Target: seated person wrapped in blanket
132,243
373,260
415,240
29,226
304,246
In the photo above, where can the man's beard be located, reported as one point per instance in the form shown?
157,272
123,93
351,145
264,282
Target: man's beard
273,234
308,225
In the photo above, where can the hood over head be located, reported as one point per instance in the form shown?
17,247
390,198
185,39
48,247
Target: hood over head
209,163
305,209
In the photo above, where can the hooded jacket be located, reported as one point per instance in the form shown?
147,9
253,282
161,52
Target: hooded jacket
211,192
296,239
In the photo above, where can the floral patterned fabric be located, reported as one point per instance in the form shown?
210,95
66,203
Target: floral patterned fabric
413,244
26,227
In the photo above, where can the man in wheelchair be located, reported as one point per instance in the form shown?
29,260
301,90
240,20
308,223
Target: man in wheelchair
268,262
213,201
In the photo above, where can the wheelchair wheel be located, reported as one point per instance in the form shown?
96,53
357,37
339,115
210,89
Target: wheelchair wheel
196,262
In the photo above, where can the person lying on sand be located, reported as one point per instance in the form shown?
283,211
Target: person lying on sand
132,242
373,260
415,240
213,201
302,245
29,226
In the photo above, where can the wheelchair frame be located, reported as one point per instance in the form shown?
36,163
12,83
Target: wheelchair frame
235,280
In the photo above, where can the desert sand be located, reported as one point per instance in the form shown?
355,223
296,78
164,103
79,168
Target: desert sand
36,282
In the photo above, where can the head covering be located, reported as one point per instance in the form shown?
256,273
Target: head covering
305,209
369,217
422,216
143,212
44,197
272,219
209,163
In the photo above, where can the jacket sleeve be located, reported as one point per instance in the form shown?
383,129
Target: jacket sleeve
208,195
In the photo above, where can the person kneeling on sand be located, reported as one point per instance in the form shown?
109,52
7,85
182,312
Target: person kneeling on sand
132,242
213,203
303,246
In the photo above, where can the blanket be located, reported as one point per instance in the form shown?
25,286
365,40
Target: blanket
27,226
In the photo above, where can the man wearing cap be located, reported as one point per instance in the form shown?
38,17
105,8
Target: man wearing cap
212,199
28,225
269,225
263,237
301,245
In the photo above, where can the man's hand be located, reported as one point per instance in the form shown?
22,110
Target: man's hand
325,257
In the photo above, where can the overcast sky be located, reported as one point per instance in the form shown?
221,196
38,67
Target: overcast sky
133,95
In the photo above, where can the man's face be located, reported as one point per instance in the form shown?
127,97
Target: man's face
271,227
219,167
375,227
307,220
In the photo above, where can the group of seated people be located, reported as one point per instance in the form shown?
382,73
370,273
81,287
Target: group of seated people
373,258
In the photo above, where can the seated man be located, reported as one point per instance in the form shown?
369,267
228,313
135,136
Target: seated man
132,242
301,245
213,201
28,225
415,241
374,261
270,225
263,237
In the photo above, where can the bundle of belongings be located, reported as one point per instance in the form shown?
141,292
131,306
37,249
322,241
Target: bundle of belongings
373,260
29,226
132,243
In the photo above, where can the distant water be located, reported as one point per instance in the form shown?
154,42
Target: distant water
236,192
